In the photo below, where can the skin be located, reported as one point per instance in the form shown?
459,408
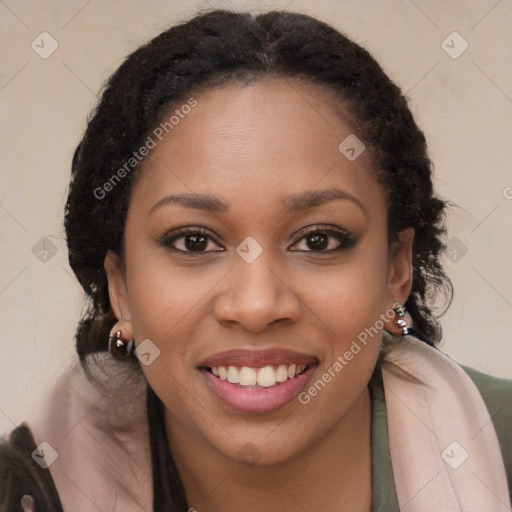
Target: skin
250,146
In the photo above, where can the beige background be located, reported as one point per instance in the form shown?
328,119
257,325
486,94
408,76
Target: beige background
464,106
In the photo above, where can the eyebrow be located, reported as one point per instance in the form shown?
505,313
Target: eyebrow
291,203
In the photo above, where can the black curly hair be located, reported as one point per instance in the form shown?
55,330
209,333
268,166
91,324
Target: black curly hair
207,51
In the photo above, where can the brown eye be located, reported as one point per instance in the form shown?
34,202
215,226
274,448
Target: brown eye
189,240
325,240
317,242
195,242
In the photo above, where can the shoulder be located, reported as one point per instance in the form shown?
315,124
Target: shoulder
497,395
21,476
90,422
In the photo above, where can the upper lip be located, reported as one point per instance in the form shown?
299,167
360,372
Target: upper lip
258,358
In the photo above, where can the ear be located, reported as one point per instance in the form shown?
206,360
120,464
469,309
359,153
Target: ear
400,267
117,292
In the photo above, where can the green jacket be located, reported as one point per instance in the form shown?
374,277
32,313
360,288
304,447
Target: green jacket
20,475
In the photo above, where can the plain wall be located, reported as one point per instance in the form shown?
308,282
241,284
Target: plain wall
464,106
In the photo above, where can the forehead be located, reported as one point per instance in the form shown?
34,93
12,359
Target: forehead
264,140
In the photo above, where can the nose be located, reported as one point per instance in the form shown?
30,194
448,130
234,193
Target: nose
254,296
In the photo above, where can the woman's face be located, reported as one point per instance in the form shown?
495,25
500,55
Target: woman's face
291,267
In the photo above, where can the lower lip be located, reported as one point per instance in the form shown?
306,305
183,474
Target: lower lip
258,400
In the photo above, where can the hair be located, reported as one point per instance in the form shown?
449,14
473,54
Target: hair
208,51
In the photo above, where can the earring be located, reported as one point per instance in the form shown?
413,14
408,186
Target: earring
119,348
400,314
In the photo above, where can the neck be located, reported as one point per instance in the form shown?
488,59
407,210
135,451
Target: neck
335,470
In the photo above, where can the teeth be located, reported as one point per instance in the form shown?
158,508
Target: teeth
264,377
233,375
247,376
281,373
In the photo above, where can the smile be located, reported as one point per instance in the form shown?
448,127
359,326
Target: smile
257,381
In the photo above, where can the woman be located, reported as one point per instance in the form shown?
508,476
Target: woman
252,216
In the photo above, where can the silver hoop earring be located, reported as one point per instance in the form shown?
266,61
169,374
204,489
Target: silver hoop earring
400,314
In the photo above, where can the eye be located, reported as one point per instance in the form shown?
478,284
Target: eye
326,240
189,240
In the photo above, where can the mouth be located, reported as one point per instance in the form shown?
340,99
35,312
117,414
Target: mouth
257,382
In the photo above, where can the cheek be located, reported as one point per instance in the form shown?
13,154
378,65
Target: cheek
347,312
163,296
346,297
346,303
165,306
161,301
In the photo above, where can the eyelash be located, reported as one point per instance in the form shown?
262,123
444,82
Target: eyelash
347,239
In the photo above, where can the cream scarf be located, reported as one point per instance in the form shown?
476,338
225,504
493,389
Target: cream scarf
444,450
